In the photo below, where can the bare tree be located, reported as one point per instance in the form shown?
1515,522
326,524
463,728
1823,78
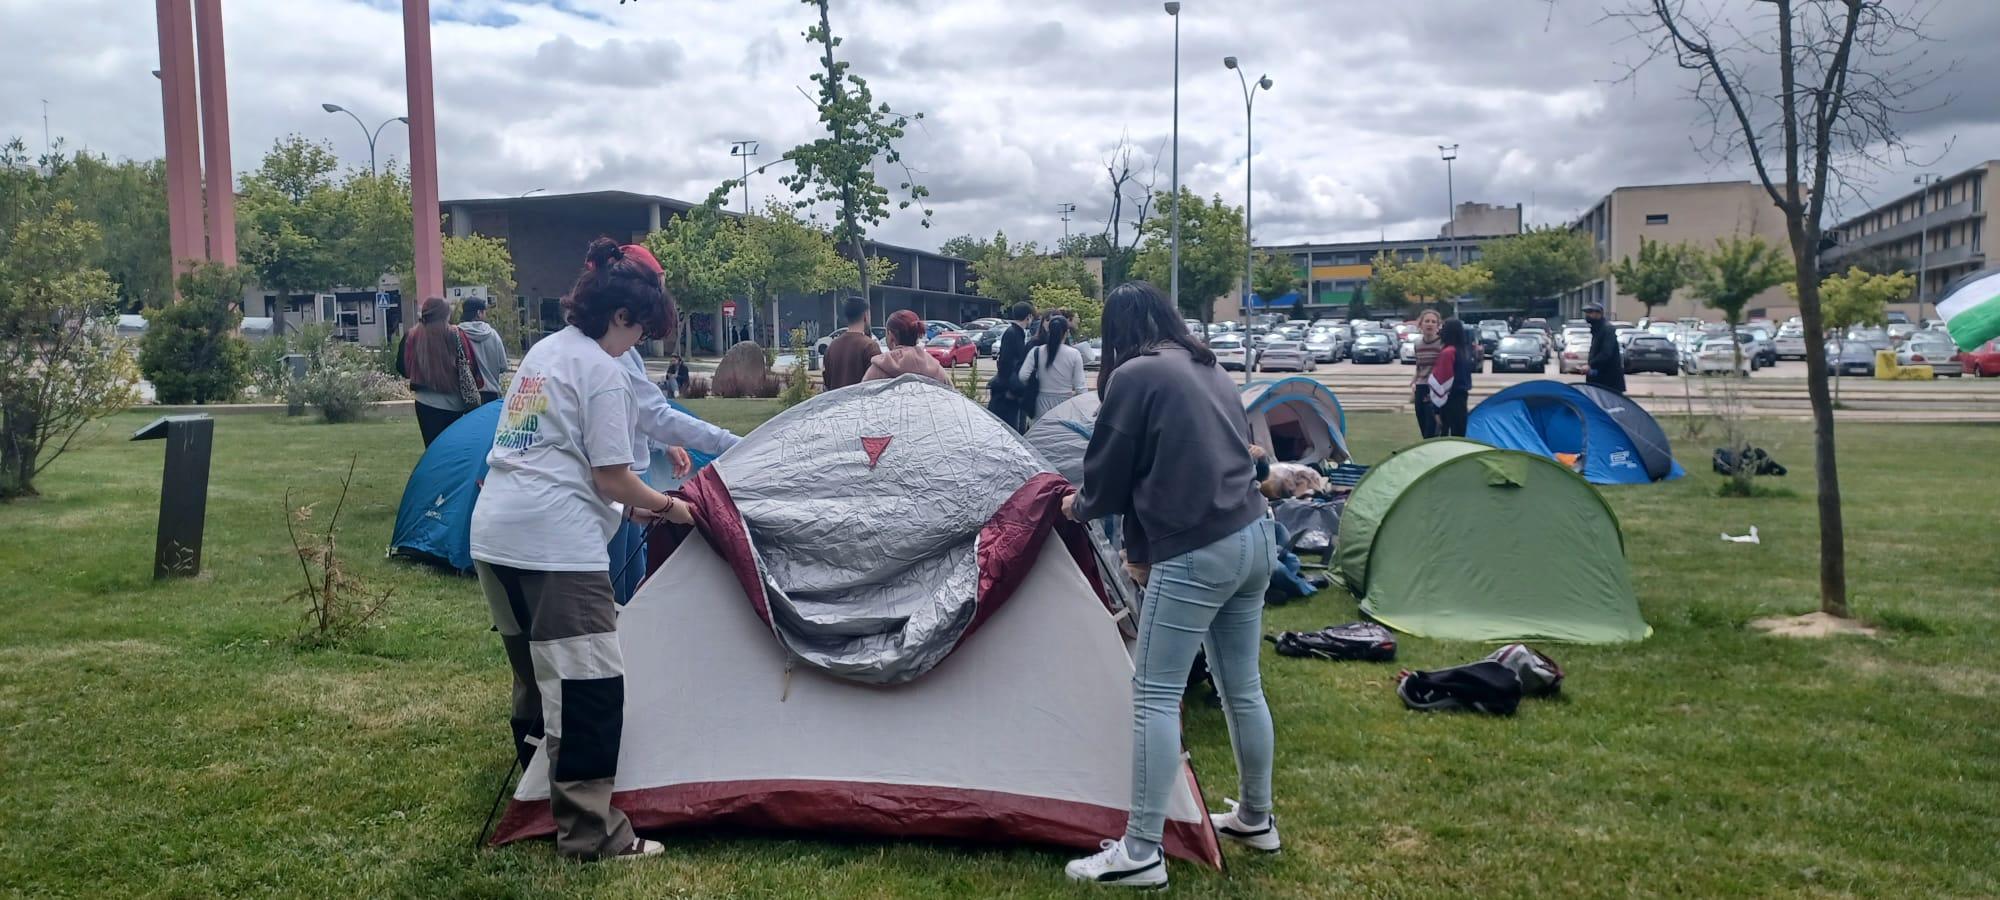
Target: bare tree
1810,91
1127,189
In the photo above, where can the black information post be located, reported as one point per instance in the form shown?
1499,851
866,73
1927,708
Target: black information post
183,491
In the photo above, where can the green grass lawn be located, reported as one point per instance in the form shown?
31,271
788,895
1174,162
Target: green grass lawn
172,740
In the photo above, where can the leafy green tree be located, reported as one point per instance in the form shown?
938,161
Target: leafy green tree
1858,297
1655,274
191,352
304,227
1427,280
1086,313
480,261
698,251
1738,269
1540,264
780,253
1357,306
62,364
839,168
1275,275
1009,272
1211,251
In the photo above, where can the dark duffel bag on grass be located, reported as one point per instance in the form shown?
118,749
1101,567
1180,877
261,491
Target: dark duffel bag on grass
1485,686
1364,641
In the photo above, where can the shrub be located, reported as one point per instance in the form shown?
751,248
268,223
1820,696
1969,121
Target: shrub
191,352
341,379
337,603
798,382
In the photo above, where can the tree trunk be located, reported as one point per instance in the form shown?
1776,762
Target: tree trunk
1826,475
18,452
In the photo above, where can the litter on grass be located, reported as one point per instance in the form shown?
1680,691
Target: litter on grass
1750,538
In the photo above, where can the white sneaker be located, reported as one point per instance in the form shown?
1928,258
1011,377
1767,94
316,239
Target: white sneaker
1261,837
1114,867
640,848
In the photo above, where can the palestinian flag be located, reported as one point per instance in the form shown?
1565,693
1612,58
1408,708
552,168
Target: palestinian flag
1971,309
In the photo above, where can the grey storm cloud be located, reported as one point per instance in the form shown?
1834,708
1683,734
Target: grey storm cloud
1021,102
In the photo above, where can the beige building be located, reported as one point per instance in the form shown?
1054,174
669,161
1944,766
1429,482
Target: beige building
1483,218
1939,228
1697,214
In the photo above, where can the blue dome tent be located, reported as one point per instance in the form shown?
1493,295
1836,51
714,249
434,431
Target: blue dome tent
1297,419
434,520
1612,439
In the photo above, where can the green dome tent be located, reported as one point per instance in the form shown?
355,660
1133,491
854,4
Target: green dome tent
1458,540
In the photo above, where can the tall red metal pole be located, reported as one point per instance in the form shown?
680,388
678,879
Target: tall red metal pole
220,179
427,255
183,132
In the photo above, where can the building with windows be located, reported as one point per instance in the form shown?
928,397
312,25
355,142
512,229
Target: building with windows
547,234
1696,214
1937,231
1335,275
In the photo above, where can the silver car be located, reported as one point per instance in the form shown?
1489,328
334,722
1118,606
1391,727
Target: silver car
1092,352
1931,349
1325,345
1290,356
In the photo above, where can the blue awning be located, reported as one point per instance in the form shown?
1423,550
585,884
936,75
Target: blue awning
1258,302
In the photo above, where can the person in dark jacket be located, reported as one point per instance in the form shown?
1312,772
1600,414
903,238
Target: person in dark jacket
1449,384
847,357
1606,367
1171,454
1006,401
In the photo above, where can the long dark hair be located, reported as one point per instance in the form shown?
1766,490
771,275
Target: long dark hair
1052,338
613,279
430,350
1138,320
1452,333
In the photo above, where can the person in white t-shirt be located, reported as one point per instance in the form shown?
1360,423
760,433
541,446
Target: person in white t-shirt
559,471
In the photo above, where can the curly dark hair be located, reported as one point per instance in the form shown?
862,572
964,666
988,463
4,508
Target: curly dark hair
613,280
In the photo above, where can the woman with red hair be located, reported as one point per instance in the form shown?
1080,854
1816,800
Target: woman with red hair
906,355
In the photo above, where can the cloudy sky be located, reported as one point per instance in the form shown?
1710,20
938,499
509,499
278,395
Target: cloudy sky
1022,101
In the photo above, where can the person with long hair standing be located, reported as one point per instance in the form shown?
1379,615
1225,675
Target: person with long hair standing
1428,345
438,359
560,467
1450,380
1170,453
1055,367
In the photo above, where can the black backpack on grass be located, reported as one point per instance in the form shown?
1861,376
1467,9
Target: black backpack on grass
1493,685
1364,641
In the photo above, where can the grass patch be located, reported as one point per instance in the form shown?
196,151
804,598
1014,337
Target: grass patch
169,739
1750,490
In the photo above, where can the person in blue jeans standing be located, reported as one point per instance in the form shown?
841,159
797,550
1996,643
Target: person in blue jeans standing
1170,453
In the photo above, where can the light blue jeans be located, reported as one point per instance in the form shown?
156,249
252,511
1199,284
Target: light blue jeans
1209,598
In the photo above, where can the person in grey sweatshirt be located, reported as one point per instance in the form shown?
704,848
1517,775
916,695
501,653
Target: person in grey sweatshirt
1171,454
489,351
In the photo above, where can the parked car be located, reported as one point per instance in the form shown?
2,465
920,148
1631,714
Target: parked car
1874,337
1500,324
1850,358
1934,350
1790,343
1406,349
1933,324
1520,353
133,327
1575,356
951,349
1624,336
1092,352
1374,347
1983,362
1570,335
1652,353
1718,353
1900,332
1289,356
988,341
935,327
1325,345
1898,317
1229,351
1489,338
826,340
1757,348
978,325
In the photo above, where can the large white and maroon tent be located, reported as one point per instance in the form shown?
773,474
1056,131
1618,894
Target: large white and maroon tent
880,626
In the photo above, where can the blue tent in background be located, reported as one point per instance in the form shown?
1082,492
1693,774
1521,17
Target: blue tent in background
1296,419
434,521
1613,439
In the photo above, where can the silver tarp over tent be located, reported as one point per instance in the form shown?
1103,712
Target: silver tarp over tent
875,526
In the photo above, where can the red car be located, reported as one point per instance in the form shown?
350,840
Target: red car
952,349
1983,362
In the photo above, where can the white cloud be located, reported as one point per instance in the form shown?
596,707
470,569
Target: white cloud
1021,101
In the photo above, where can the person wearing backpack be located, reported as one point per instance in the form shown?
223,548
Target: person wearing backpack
1053,368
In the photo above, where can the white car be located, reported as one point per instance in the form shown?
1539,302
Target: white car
1229,352
1290,356
1406,352
1092,352
1324,344
1790,343
1575,356
1719,353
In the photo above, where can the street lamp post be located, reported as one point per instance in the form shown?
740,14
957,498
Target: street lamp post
370,135
744,150
1174,253
1249,245
1065,209
1451,218
1923,237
